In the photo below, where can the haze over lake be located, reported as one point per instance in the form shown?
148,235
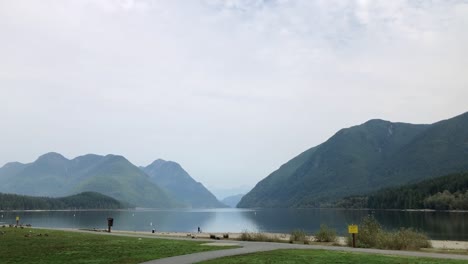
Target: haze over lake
437,225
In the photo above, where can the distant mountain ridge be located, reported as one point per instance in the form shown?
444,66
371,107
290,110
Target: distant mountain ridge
162,184
364,158
233,200
175,180
54,175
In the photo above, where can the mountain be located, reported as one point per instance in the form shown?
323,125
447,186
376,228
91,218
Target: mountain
48,175
364,158
180,185
85,200
233,200
117,177
54,175
223,192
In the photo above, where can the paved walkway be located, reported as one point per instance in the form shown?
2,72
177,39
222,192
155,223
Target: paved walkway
251,247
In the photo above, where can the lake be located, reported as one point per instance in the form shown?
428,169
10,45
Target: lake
437,225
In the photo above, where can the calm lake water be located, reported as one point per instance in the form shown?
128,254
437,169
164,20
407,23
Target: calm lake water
437,225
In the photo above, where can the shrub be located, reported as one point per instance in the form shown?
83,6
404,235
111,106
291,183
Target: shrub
371,235
325,234
410,240
266,238
246,236
298,235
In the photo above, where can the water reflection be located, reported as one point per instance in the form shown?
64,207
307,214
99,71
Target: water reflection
438,225
285,220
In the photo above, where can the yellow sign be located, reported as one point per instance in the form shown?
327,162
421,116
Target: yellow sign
17,218
353,229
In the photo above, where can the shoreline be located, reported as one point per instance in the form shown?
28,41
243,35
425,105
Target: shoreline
284,237
436,244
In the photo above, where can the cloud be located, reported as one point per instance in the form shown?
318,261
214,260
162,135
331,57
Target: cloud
230,89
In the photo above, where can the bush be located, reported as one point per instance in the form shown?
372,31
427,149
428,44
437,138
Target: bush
246,236
325,234
371,235
410,240
298,235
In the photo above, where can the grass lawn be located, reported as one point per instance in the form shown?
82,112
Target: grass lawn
323,256
16,246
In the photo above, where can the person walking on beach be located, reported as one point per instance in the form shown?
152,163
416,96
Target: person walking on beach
199,230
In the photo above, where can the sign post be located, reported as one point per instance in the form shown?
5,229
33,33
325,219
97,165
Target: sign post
353,230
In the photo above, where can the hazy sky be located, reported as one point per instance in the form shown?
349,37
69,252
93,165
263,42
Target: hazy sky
229,89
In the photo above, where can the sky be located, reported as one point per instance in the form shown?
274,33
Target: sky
229,89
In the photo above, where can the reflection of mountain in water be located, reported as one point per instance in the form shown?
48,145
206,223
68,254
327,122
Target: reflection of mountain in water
437,225
230,220
309,220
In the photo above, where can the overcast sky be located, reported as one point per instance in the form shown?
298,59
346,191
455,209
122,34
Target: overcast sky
229,89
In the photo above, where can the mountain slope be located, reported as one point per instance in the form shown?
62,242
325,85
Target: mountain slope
117,177
180,185
48,175
439,150
54,175
363,158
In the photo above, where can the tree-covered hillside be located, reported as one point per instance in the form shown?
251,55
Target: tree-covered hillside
448,192
443,193
85,200
364,158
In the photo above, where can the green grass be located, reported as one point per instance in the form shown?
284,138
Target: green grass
72,247
323,256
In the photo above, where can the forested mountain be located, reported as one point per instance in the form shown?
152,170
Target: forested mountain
179,184
119,178
364,158
54,175
448,192
85,200
48,175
